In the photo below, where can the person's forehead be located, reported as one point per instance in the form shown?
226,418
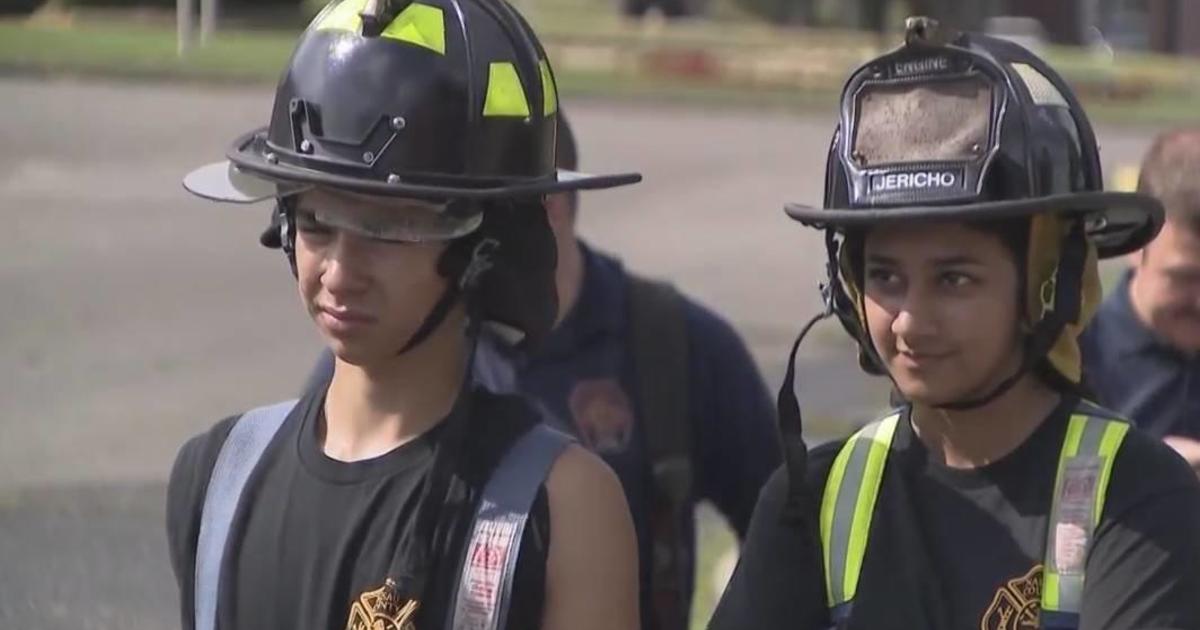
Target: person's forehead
330,199
932,240
1179,235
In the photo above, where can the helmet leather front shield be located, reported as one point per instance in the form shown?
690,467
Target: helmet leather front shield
900,149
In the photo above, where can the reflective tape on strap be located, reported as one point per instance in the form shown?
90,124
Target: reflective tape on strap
848,504
1084,469
489,564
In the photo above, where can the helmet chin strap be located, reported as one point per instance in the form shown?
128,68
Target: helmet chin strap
414,557
791,423
1061,307
1061,304
464,285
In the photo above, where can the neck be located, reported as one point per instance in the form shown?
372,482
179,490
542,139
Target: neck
973,438
372,409
568,275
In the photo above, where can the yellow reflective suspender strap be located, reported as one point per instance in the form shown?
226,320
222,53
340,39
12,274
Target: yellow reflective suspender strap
1084,469
847,506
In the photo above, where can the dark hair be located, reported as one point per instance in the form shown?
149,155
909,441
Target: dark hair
1013,234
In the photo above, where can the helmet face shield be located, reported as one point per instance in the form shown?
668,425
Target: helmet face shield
395,220
224,181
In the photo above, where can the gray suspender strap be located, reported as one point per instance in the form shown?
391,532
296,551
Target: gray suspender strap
242,449
659,343
489,563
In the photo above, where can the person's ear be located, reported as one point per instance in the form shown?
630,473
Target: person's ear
1134,259
558,210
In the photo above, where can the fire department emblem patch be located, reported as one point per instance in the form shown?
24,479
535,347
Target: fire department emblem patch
382,609
603,415
1017,605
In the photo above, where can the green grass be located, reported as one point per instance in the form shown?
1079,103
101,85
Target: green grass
1137,88
714,538
140,52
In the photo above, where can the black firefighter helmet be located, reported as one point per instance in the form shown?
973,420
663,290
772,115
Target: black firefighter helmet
965,127
448,101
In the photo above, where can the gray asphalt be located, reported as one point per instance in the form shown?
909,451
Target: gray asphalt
134,316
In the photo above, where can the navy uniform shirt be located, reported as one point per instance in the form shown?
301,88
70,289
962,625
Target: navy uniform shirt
1133,372
582,380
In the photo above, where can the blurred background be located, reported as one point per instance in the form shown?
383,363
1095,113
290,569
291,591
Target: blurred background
133,316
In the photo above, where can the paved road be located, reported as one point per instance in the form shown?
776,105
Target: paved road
134,316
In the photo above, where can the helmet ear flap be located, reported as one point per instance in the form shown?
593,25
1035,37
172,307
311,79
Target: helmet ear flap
847,295
280,232
508,265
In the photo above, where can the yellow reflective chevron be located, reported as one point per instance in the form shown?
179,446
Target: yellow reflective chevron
419,24
505,95
343,17
549,90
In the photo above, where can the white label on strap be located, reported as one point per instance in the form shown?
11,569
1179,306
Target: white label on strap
1076,508
492,542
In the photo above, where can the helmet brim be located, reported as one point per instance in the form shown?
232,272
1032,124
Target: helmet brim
225,182
1117,222
249,176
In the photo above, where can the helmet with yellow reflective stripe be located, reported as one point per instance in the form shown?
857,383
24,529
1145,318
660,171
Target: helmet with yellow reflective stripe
434,99
447,108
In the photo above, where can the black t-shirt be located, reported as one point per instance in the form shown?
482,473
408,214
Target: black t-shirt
313,537
953,549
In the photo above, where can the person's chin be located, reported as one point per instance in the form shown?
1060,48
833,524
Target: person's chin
926,392
356,353
1186,337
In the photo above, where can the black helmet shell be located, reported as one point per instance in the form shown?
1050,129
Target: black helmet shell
966,129
434,99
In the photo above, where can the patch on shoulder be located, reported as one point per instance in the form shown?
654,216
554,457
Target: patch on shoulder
1017,605
602,414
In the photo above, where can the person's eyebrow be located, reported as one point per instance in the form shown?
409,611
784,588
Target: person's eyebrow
880,259
957,260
